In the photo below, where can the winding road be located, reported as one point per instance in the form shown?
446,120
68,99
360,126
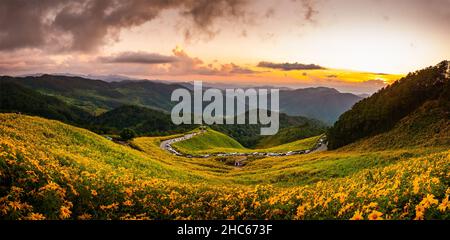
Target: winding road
167,146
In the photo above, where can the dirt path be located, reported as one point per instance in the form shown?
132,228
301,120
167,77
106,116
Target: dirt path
167,144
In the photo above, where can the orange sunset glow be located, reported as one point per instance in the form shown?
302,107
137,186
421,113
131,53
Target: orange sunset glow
359,45
224,119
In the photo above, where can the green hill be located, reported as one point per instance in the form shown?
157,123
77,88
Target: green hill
108,108
50,170
400,102
209,141
292,128
144,121
16,98
213,142
288,135
428,126
96,96
325,104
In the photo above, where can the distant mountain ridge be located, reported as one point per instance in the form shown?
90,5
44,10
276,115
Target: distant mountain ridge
97,96
325,104
17,98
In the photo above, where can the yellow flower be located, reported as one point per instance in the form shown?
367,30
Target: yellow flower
128,192
416,185
444,205
301,211
375,215
357,216
128,203
64,212
420,212
428,201
435,180
85,216
111,206
93,192
35,216
345,209
15,205
431,200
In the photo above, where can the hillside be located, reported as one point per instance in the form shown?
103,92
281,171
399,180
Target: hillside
287,135
291,128
50,170
16,98
144,121
213,142
325,104
428,126
96,96
147,121
210,140
406,102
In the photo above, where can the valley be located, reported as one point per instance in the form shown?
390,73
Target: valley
92,177
389,164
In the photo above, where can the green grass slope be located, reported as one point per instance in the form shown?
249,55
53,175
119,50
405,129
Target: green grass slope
213,142
428,126
96,96
292,128
287,135
16,98
210,141
144,121
382,111
50,170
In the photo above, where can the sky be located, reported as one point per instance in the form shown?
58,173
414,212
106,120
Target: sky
352,45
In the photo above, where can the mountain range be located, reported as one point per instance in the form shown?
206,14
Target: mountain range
144,121
389,159
97,96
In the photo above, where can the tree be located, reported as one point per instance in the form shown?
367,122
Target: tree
127,134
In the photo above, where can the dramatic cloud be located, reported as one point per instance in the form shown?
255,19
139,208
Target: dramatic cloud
187,65
204,12
22,23
289,66
84,25
133,64
138,58
235,69
310,10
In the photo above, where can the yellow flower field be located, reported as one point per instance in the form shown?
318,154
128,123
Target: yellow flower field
49,170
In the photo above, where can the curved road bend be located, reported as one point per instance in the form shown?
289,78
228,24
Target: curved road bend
167,146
